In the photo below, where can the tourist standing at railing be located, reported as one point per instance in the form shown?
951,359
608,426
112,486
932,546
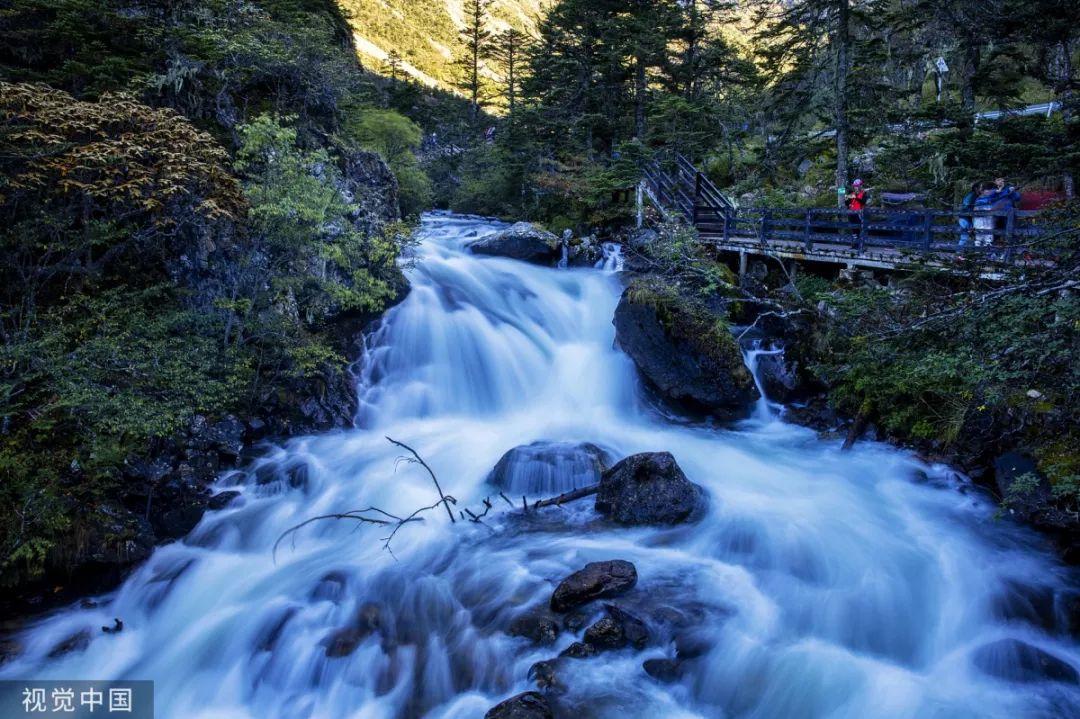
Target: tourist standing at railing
983,219
967,205
856,203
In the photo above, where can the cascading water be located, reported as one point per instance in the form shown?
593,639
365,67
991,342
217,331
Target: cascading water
764,409
819,583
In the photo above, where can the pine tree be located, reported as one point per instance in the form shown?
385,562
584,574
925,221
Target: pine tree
507,49
477,41
392,65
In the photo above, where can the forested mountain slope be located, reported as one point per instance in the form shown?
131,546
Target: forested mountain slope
425,34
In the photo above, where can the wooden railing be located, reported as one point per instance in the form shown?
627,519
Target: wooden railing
1007,233
681,191
680,187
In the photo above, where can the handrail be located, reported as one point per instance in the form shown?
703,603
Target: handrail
685,191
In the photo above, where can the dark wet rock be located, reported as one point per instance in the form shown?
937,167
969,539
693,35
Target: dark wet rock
116,628
582,251
530,705
648,488
77,642
545,674
1024,488
1026,603
536,627
682,348
691,646
596,580
222,499
1016,661
633,629
9,649
575,621
579,650
344,641
548,468
331,587
227,436
606,634
269,633
1070,610
521,241
786,375
662,669
177,522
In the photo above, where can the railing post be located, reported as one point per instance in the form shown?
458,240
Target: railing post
727,228
928,231
762,228
862,230
807,241
1010,226
697,196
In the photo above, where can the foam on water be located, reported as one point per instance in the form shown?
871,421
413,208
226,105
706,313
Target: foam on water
820,583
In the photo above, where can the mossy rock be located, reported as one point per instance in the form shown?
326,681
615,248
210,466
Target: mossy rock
684,348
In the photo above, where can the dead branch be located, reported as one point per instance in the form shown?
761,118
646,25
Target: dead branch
416,459
386,519
566,497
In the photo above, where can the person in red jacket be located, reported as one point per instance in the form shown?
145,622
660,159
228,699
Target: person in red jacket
856,203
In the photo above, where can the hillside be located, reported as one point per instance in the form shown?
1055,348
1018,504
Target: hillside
425,33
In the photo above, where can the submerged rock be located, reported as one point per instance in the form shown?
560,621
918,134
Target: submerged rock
633,628
536,627
344,642
521,241
1013,660
648,488
595,581
547,468
530,705
662,669
684,349
606,634
579,650
545,673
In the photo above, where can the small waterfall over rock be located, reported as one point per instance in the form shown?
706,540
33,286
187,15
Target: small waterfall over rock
764,409
818,584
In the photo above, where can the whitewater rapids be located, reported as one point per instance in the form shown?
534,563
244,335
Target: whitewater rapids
823,583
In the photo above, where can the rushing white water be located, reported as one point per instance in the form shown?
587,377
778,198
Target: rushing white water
819,583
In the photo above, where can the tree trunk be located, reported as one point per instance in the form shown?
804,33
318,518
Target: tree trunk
843,69
972,55
639,98
510,74
1065,96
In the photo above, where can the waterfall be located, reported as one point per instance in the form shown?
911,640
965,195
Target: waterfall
817,584
764,409
612,260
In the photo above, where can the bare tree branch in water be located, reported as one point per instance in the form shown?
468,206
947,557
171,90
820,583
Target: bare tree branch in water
386,519
416,459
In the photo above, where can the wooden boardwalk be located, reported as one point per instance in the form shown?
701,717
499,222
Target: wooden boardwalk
879,238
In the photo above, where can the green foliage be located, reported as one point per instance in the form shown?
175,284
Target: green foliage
152,272
397,139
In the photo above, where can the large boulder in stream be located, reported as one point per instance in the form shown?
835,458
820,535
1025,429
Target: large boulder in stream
684,349
530,705
521,241
595,581
648,488
548,468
